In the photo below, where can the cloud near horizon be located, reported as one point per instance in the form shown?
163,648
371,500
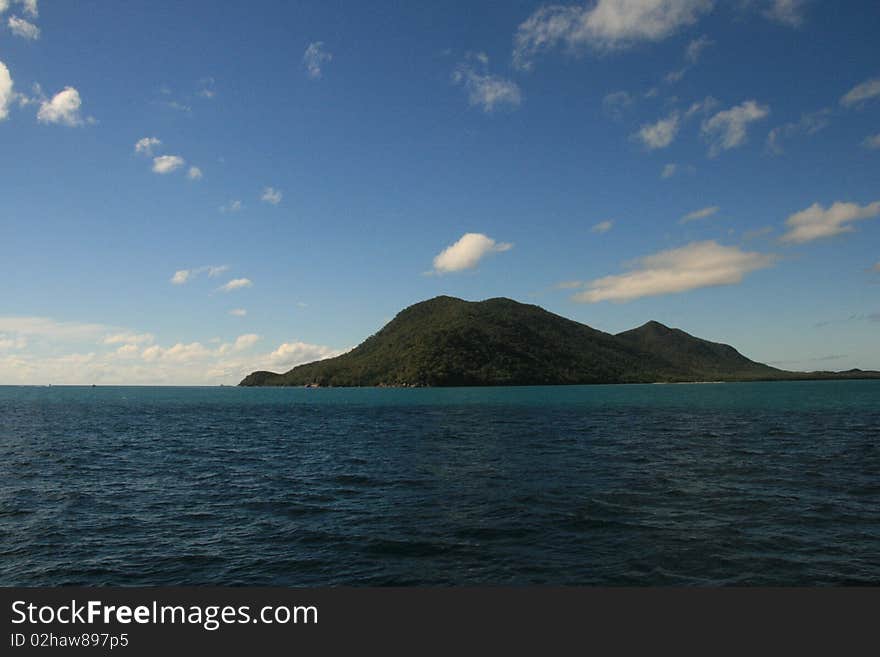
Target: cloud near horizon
694,266
467,252
128,358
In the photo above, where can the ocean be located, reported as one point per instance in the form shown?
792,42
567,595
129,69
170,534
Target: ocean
686,485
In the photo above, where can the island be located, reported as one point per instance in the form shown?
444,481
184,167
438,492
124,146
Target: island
446,341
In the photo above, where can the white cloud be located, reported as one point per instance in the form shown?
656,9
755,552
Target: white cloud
9,343
467,252
129,338
872,141
603,227
24,29
809,124
787,12
145,145
291,354
232,206
164,164
485,90
696,265
242,343
659,134
603,25
699,214
728,128
669,170
182,276
194,173
6,92
817,222
238,312
236,284
617,103
119,356
51,329
63,108
696,47
271,195
861,93
314,58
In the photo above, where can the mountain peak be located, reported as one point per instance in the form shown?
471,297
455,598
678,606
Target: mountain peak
447,341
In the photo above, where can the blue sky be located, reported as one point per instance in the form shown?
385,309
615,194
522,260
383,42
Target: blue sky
306,170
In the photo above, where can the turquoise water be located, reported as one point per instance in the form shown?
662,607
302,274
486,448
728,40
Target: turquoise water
712,484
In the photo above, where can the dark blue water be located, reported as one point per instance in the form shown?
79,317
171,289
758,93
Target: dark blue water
765,483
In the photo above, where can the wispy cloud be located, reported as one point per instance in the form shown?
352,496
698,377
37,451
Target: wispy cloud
696,215
696,265
817,222
271,195
862,93
604,25
729,128
695,49
26,326
231,207
809,124
145,145
617,103
786,12
314,59
669,170
129,338
205,88
485,90
238,312
24,29
467,252
194,173
236,284
182,276
603,227
872,142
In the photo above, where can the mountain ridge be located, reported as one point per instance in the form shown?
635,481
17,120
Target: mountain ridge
446,341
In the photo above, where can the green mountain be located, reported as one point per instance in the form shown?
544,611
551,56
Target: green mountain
450,342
